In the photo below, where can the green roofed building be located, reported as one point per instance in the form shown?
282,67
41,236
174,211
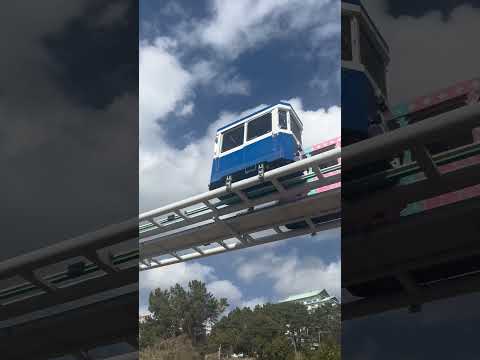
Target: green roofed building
312,299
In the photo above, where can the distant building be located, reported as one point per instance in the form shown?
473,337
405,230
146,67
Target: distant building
208,326
143,318
312,299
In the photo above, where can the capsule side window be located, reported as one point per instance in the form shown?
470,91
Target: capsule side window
259,126
282,119
295,128
216,146
232,138
347,54
371,58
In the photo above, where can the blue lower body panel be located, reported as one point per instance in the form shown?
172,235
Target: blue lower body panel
358,105
272,152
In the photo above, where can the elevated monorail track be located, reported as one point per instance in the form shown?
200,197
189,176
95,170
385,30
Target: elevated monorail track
407,259
73,291
250,212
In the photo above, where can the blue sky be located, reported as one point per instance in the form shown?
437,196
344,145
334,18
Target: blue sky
203,64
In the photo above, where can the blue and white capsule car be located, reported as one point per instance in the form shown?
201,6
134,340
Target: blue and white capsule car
266,139
365,58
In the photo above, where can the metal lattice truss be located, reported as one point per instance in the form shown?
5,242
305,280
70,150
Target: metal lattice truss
35,288
435,237
304,195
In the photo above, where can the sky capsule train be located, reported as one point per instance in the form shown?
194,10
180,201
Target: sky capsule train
264,140
365,57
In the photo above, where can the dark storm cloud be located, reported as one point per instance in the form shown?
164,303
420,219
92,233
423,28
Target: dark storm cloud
430,44
69,115
98,60
420,8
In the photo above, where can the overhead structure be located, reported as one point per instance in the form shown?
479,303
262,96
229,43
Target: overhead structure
90,279
400,259
296,199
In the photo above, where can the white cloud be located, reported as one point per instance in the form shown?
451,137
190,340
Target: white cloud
322,86
250,269
299,275
181,273
320,124
291,274
164,84
239,25
204,71
253,302
327,30
186,110
225,289
325,85
232,85
173,8
427,52
226,81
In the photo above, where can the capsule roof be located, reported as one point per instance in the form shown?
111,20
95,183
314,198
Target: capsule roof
259,111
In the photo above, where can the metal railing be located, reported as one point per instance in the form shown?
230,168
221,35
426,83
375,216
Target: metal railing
434,176
69,270
231,217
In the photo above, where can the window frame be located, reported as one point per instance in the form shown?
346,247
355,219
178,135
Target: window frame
275,129
350,34
360,23
222,151
285,111
293,117
367,41
247,124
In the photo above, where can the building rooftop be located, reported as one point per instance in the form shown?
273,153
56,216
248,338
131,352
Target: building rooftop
322,293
